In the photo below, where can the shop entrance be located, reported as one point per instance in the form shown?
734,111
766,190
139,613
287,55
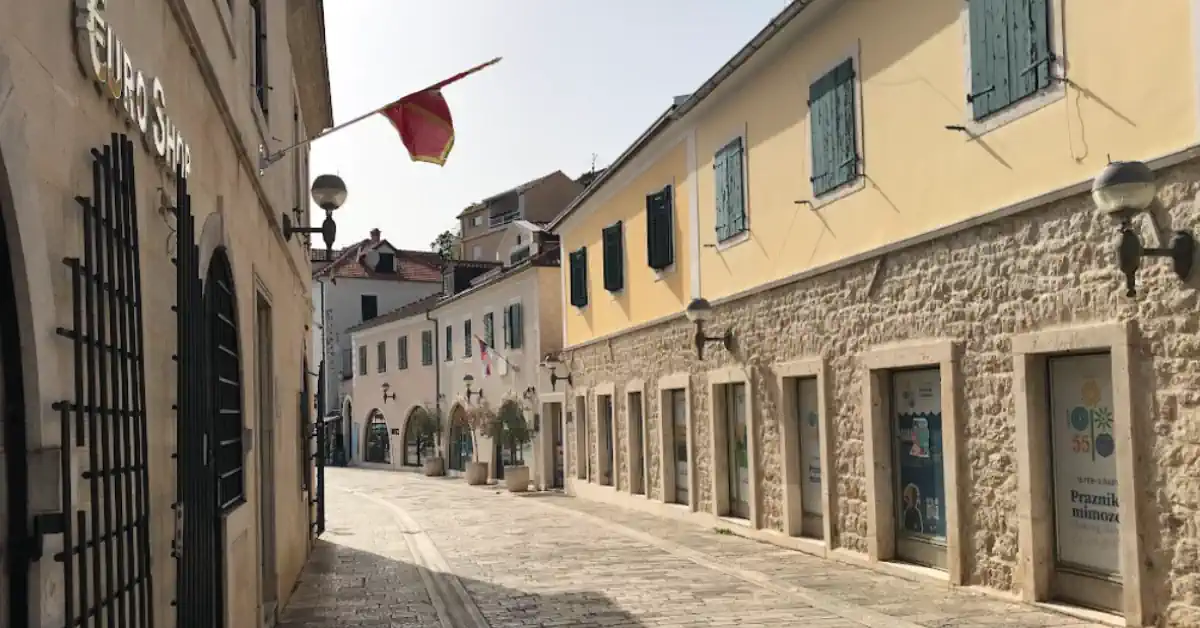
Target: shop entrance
556,442
605,437
808,462
678,421
583,442
737,450
637,436
920,487
1083,458
377,439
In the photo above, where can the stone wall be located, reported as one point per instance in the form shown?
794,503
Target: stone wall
1047,267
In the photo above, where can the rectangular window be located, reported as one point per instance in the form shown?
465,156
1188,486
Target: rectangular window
362,360
381,356
514,336
347,363
577,264
833,129
258,21
449,342
402,352
370,306
729,176
1011,57
426,348
614,257
467,337
489,329
660,229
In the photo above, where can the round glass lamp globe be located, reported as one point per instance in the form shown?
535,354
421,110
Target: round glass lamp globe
1124,186
329,191
698,310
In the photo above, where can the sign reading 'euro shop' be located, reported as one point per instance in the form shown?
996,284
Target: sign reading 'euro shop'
139,98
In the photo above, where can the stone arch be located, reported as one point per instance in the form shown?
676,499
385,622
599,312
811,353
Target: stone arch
459,444
376,438
30,373
410,455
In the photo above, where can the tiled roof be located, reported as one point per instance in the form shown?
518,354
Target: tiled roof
348,263
548,258
528,185
420,306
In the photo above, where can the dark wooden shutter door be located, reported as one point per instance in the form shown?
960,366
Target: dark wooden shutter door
736,188
822,131
721,184
847,145
613,258
652,227
518,326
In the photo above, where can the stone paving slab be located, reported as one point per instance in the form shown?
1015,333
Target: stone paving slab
553,561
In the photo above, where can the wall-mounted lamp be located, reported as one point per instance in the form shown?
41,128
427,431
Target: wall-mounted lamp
329,192
469,379
699,311
530,393
1125,189
386,395
551,363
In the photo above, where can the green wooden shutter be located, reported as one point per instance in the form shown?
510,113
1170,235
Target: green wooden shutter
847,130
721,185
735,189
659,225
990,72
449,342
468,339
821,125
579,275
507,324
614,262
653,217
489,329
518,326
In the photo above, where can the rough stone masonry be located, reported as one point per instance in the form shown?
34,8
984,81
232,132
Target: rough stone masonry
1042,268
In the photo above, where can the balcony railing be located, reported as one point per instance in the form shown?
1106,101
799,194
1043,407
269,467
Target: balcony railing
518,254
500,220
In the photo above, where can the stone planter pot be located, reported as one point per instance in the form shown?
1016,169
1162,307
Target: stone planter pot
516,479
477,473
434,467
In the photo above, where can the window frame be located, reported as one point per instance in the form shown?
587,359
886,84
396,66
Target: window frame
428,333
669,190
468,333
449,349
618,280
381,356
732,240
571,261
362,310
362,360
402,353
859,182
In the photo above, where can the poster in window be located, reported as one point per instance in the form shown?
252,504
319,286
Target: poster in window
921,489
810,446
1086,517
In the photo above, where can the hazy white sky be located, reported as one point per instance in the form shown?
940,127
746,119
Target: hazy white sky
577,78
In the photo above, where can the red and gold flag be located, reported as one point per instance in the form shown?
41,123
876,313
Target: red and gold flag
424,122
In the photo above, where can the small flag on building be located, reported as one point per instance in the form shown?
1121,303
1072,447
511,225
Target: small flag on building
483,355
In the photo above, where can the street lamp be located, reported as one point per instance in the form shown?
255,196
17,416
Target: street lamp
699,311
550,363
1125,189
329,193
469,379
386,395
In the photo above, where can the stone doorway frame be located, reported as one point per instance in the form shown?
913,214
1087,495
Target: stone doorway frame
666,433
718,380
878,364
639,483
789,441
1035,508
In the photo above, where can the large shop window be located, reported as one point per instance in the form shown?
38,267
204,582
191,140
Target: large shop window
919,469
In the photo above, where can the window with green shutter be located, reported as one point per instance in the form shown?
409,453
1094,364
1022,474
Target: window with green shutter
729,182
402,351
660,229
426,348
1011,58
834,129
449,342
489,329
514,326
614,257
381,356
362,360
577,267
467,338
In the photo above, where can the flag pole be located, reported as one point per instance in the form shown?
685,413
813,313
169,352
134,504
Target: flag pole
266,159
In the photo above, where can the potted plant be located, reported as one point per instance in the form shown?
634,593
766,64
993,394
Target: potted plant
513,433
480,418
427,426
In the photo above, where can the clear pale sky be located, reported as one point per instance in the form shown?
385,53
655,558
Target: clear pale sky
577,78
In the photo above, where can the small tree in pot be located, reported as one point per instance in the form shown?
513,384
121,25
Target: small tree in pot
513,433
426,423
480,418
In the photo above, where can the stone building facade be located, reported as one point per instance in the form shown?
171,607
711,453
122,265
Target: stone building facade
197,88
985,302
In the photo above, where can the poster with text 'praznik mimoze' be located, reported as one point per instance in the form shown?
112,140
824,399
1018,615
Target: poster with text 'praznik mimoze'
1087,524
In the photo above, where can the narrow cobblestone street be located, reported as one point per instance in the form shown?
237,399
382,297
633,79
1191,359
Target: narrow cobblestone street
405,550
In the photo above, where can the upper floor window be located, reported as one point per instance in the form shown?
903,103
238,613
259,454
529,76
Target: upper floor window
514,326
258,21
614,257
834,130
362,360
467,338
381,356
729,174
387,263
660,229
1011,57
577,267
489,329
370,306
402,352
449,342
347,364
477,221
426,348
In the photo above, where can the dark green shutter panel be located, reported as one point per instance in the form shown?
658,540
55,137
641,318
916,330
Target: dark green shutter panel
1033,70
507,323
468,339
721,185
614,262
735,189
990,70
822,125
653,218
579,278
489,329
847,144
660,244
518,326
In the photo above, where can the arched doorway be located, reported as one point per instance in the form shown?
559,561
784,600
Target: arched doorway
460,447
14,476
377,442
418,443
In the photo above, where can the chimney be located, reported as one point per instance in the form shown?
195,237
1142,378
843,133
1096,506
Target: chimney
375,236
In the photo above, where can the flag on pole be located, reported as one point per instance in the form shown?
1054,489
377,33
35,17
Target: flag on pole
424,122
483,355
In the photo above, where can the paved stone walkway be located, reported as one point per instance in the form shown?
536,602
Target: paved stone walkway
405,550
